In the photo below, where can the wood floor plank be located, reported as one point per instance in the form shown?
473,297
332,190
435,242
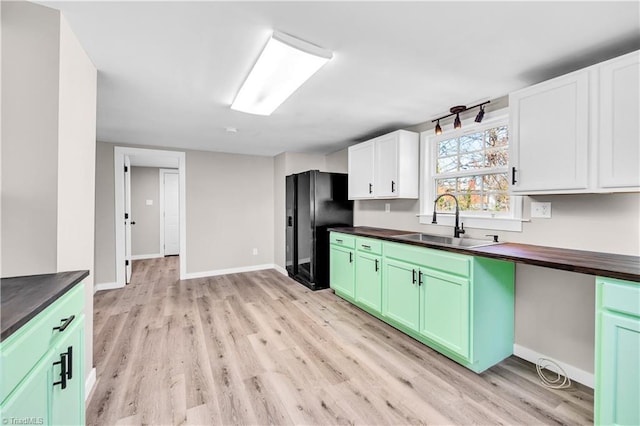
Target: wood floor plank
259,348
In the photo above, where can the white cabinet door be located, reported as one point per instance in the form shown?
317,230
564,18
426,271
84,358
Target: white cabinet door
550,136
386,170
361,164
619,149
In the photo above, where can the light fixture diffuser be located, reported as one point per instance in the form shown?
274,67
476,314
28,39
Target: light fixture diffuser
283,66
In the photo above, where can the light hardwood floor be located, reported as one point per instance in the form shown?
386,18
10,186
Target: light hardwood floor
259,348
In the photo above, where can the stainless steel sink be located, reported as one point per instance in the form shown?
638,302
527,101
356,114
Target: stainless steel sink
446,241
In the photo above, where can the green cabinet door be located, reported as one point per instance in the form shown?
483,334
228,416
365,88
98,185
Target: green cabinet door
67,405
400,293
27,404
618,370
369,281
444,313
342,271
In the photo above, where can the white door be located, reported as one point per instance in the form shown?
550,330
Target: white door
127,218
171,214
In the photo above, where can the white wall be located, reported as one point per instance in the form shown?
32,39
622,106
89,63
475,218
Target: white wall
48,145
105,225
30,80
76,169
229,211
279,209
145,234
338,162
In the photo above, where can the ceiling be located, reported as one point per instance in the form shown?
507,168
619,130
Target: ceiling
168,71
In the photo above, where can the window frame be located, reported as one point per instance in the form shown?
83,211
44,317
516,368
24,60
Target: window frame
482,220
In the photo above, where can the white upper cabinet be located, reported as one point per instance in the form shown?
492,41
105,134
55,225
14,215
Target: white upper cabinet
361,163
619,137
577,133
386,176
385,167
549,125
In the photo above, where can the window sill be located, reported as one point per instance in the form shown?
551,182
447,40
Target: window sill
492,223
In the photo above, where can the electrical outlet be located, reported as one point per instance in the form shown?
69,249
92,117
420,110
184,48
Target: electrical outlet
541,210
387,207
255,251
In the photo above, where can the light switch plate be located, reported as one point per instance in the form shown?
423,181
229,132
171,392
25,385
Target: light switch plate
387,207
540,210
149,202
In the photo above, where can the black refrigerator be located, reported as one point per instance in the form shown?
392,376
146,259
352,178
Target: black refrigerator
315,202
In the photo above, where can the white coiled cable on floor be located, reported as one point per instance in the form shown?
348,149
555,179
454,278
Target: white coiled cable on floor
561,381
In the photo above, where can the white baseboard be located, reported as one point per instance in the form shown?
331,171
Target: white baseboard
280,269
107,286
574,373
204,274
89,383
146,256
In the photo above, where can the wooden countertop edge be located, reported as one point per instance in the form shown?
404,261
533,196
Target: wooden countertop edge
45,303
496,252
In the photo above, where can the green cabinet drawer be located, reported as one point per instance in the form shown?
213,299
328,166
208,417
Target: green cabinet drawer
23,349
450,263
620,296
343,240
369,245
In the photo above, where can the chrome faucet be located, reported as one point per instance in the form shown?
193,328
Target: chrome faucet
457,230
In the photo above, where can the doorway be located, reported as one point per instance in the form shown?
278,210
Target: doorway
124,159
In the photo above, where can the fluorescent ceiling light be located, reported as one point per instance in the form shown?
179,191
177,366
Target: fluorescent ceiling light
284,65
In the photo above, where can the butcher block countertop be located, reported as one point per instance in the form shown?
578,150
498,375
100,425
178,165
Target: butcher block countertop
608,265
22,298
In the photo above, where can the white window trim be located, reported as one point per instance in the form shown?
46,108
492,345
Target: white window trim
427,193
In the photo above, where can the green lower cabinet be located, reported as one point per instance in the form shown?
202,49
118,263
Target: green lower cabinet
342,270
617,387
67,405
369,281
444,310
48,353
400,293
462,306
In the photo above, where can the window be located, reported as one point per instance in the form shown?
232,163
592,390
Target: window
471,163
